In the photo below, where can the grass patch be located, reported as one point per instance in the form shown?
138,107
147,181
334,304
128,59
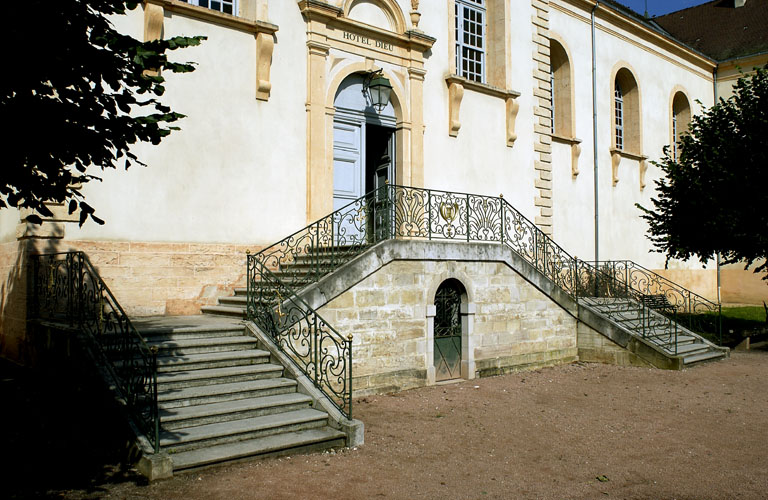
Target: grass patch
749,313
738,323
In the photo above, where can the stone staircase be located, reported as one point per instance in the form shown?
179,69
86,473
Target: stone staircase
295,275
222,398
655,328
623,312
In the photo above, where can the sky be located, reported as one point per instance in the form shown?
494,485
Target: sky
659,7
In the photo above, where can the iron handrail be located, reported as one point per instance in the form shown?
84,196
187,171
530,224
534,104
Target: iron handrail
602,292
312,344
69,290
669,295
393,211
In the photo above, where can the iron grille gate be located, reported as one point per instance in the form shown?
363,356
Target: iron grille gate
447,332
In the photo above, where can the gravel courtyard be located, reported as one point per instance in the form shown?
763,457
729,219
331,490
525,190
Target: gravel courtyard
575,431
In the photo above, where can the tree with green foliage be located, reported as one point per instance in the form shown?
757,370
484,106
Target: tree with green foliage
76,95
713,198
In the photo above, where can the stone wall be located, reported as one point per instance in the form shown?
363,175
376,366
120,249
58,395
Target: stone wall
597,348
514,325
155,278
13,300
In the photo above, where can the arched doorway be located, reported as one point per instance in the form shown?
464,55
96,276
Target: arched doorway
447,330
363,143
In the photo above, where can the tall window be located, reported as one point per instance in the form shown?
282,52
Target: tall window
619,115
560,78
470,39
225,6
553,100
674,135
627,119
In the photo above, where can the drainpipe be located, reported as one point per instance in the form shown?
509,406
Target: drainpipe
594,136
717,256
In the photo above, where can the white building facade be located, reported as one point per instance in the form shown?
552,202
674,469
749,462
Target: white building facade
488,97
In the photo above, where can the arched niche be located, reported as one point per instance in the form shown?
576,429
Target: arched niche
680,117
562,89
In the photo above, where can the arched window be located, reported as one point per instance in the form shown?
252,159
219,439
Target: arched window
562,104
627,133
681,118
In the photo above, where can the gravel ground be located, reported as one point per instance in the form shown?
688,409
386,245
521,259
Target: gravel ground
568,432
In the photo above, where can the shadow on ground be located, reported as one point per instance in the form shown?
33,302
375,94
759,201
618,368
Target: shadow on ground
60,431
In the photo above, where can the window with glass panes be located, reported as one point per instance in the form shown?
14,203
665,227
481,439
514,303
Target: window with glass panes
619,116
552,98
674,134
225,6
470,39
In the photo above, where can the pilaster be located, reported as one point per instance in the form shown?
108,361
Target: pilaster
542,107
414,169
429,352
319,173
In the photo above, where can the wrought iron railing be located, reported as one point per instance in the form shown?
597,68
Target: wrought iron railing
398,211
68,291
316,348
612,298
689,308
328,243
394,211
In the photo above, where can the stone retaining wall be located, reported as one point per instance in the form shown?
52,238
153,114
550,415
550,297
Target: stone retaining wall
514,325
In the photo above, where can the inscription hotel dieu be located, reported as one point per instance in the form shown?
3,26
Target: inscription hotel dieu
363,40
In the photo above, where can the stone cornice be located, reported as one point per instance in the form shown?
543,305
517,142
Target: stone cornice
639,29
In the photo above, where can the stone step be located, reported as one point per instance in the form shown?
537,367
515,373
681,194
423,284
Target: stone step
306,267
711,355
211,360
606,301
290,279
164,336
190,438
275,445
188,396
236,300
337,250
194,378
692,348
188,416
230,311
205,345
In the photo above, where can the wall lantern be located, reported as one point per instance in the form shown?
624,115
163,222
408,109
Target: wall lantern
378,89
